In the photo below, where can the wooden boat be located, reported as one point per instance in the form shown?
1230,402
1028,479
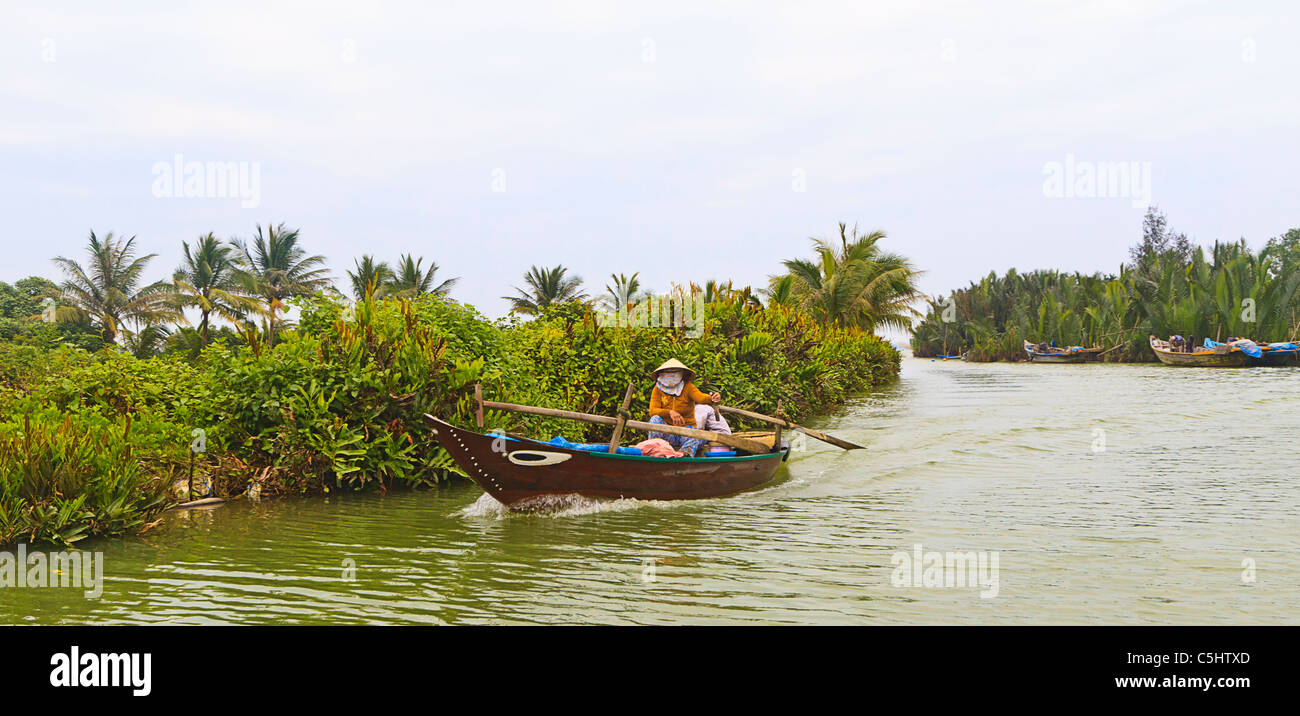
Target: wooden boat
518,469
515,469
1204,358
1073,354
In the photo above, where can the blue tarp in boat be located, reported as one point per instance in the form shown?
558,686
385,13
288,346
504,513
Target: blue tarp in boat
560,441
1250,348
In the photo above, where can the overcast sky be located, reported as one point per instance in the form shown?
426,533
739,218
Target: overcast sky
687,141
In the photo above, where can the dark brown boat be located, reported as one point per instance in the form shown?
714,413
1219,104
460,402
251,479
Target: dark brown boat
1274,355
1204,358
514,470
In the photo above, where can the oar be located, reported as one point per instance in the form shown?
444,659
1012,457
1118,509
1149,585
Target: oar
837,442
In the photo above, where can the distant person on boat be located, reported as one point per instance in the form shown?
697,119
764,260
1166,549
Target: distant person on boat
673,402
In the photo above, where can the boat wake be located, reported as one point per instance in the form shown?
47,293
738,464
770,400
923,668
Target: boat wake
572,505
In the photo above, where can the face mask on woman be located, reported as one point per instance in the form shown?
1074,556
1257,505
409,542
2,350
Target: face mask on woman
670,381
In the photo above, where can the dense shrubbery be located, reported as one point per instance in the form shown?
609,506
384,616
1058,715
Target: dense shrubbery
92,443
339,403
89,442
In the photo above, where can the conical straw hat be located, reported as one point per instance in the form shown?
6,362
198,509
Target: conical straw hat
672,363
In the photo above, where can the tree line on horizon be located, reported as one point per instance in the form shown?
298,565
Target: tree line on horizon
1167,286
104,300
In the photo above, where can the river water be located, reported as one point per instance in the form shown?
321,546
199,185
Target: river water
1106,494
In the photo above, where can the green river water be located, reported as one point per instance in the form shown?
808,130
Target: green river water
1109,493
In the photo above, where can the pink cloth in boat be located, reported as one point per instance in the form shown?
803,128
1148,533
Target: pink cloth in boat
657,447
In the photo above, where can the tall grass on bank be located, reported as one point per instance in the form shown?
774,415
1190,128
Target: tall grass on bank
63,479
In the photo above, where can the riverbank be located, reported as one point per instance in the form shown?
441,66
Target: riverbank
93,443
1284,356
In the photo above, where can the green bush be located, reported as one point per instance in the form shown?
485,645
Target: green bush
342,405
66,477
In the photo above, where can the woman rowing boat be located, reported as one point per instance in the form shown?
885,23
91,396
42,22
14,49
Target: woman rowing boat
673,401
515,469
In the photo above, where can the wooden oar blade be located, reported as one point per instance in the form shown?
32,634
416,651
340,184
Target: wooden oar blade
817,434
837,442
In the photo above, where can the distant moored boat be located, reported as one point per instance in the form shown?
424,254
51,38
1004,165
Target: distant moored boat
1224,356
1073,354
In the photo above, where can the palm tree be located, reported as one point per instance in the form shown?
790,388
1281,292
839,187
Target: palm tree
410,280
109,294
781,290
890,294
275,268
854,284
546,287
207,281
370,277
148,341
625,291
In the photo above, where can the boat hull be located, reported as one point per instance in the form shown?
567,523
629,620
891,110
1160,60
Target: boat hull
1083,355
1200,359
1079,357
1274,358
514,470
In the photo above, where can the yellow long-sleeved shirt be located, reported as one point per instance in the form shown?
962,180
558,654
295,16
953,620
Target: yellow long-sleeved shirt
661,403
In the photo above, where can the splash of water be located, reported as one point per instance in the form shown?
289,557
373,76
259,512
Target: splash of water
571,505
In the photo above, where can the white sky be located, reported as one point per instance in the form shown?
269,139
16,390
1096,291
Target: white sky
660,137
